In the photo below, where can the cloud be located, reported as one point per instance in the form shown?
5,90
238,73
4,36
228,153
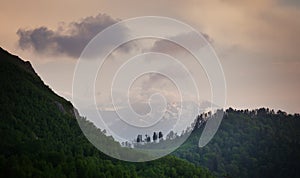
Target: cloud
68,39
166,46
289,2
151,80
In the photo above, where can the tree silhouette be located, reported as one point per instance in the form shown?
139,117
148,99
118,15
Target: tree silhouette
160,135
139,138
148,139
154,136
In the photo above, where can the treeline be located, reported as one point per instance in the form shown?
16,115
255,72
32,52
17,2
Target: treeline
172,140
156,136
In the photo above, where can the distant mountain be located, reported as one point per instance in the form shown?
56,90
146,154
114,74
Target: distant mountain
257,143
40,136
128,132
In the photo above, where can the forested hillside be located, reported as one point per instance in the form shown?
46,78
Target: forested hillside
40,136
257,143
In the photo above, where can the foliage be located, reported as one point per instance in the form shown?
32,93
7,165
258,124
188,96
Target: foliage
257,143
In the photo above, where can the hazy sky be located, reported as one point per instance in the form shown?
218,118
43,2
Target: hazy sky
257,41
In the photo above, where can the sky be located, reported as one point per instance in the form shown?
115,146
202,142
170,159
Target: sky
257,42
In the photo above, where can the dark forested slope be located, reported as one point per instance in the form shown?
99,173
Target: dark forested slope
40,136
257,143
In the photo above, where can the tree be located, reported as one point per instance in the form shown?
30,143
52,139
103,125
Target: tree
139,139
148,139
160,135
154,136
171,135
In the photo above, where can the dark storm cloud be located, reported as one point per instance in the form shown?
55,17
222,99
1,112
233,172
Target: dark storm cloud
68,39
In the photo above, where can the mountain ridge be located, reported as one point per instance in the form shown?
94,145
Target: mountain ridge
41,136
